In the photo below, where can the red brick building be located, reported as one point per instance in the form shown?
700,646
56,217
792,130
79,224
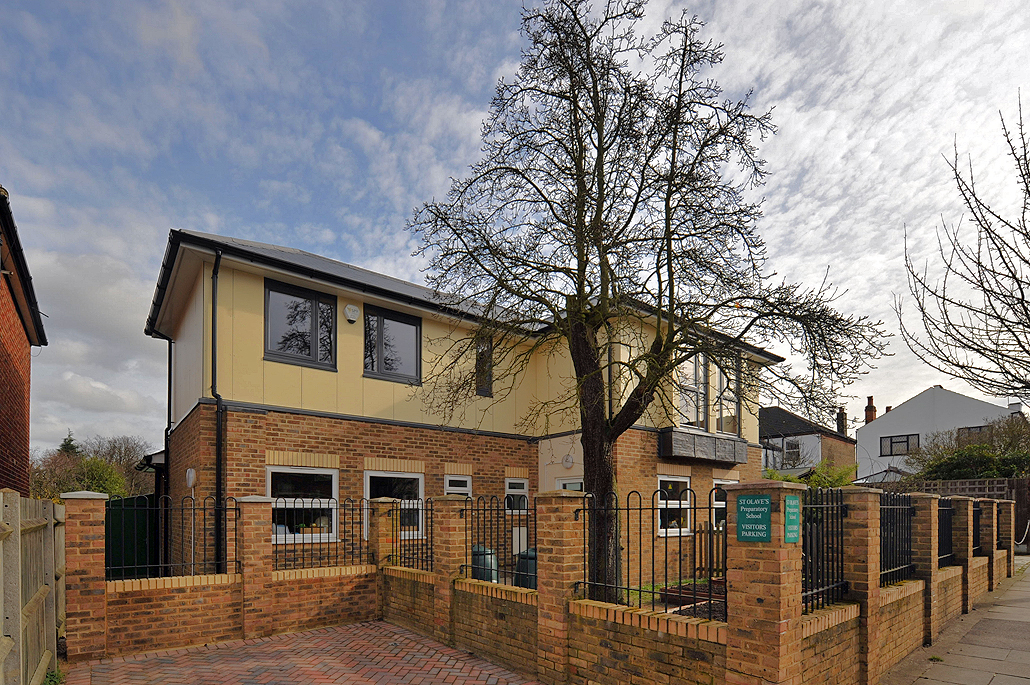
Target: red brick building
21,328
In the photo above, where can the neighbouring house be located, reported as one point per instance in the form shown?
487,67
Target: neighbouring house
884,442
21,329
293,375
790,441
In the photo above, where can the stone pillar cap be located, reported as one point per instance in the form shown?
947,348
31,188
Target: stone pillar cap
764,484
256,499
84,494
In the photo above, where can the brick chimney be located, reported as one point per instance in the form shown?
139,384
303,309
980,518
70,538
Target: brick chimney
842,421
870,411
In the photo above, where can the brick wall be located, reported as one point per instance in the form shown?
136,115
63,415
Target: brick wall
838,452
409,598
611,645
830,654
164,613
977,578
14,396
498,623
900,622
316,597
947,596
1000,562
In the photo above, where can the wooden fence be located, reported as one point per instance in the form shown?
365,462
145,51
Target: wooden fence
31,587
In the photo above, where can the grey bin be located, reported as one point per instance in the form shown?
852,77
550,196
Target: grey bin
484,564
525,569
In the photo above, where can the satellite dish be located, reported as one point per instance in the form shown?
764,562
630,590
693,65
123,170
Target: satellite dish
567,461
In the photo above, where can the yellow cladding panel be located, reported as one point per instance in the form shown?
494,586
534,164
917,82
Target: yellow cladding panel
318,389
248,324
453,468
282,384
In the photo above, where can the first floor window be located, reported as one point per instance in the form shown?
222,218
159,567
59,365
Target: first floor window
674,502
457,485
300,325
727,403
516,494
484,367
407,487
305,501
694,393
898,445
393,345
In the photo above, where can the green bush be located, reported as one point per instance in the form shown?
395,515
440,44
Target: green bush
977,461
825,475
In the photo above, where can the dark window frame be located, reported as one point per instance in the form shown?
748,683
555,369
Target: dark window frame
381,313
896,441
484,367
316,298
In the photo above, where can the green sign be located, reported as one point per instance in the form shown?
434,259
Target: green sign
792,519
754,518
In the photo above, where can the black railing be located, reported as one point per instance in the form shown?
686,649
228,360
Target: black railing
945,543
148,537
411,532
822,544
312,533
500,540
977,513
896,513
667,553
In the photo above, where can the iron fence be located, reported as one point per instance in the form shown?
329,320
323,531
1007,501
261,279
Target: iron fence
667,553
411,533
945,543
500,540
148,537
312,533
977,513
896,513
822,544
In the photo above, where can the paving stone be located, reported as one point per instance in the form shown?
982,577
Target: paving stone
961,676
1019,656
1009,680
374,653
983,652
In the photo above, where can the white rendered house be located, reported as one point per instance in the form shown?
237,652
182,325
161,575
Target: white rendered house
885,440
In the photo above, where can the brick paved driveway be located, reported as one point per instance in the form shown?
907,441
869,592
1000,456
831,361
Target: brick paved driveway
374,652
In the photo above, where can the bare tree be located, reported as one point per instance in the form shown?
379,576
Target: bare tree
975,317
609,217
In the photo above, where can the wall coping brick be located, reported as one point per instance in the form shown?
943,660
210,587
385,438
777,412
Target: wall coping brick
409,574
658,621
170,582
508,593
326,572
898,592
84,494
830,617
948,572
977,562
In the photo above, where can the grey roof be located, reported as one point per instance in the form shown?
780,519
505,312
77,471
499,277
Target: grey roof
22,291
777,422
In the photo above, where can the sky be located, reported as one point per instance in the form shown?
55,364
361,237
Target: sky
321,125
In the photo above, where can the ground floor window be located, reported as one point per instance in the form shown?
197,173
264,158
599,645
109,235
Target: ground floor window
408,487
516,494
457,485
673,504
305,501
719,501
575,484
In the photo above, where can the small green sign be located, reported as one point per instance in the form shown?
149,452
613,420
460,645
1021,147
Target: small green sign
754,518
792,519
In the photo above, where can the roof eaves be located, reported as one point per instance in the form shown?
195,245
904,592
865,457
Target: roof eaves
34,326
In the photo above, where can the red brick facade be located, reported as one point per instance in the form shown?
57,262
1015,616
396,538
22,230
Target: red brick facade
14,395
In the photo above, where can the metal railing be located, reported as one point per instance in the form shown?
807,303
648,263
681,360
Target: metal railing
500,540
411,533
148,537
822,543
977,514
896,513
945,543
312,533
667,553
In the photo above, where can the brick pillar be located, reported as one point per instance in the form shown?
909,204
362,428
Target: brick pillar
989,538
380,530
85,579
924,556
255,550
560,551
763,594
962,539
448,557
1007,524
862,571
